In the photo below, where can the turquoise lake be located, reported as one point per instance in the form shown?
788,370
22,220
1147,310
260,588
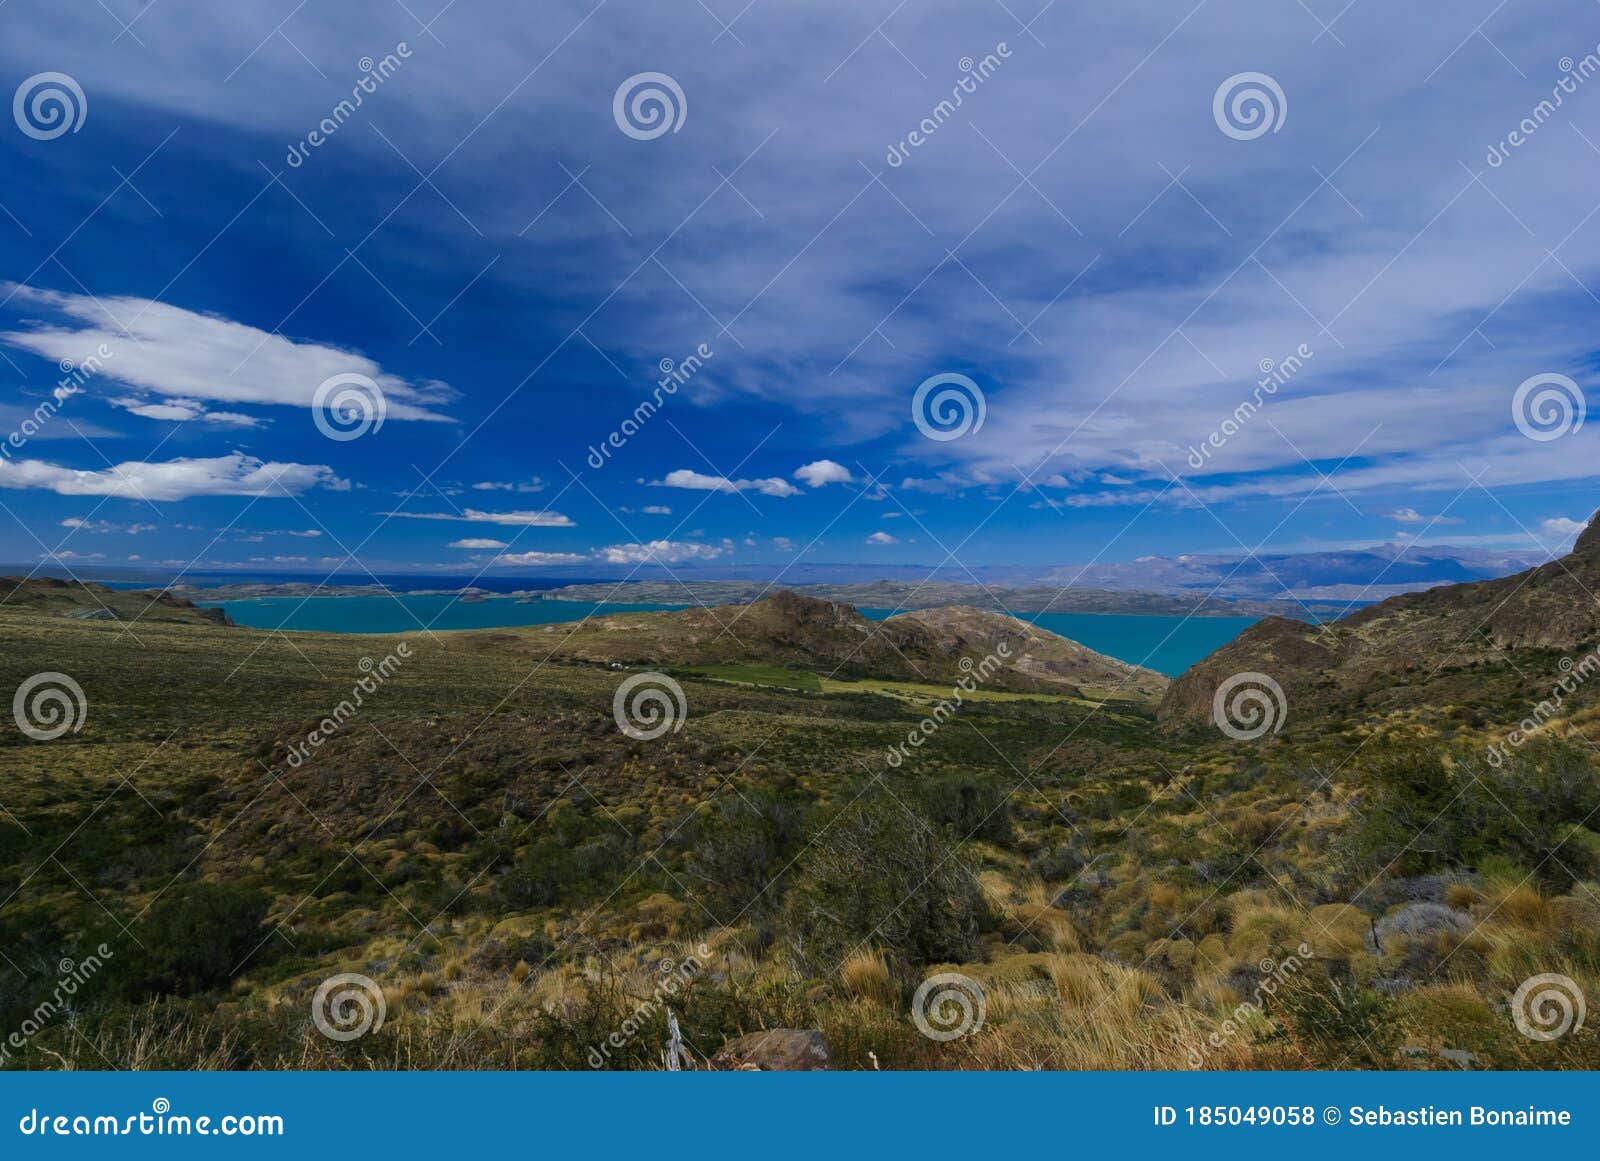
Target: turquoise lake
1166,644
405,612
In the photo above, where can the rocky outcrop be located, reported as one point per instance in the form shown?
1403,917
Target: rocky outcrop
1408,641
775,1050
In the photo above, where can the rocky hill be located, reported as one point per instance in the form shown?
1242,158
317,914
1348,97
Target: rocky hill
1396,651
1064,596
787,629
88,601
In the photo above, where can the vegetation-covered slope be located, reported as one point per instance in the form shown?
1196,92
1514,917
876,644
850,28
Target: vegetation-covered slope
241,817
1488,643
937,646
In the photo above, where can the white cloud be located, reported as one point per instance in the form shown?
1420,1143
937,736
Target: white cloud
1561,527
881,538
183,410
230,475
1412,516
476,516
538,558
821,473
477,542
657,551
77,523
185,356
700,482
533,485
656,510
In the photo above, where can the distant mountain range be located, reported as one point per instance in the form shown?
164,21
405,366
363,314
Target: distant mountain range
1326,582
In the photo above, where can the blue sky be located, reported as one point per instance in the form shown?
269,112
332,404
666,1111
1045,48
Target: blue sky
1094,238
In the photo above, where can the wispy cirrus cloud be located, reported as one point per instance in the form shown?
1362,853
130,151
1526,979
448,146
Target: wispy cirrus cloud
186,356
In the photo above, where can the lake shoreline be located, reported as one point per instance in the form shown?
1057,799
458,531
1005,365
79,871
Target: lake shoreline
1166,643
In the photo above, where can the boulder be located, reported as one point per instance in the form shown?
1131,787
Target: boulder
775,1050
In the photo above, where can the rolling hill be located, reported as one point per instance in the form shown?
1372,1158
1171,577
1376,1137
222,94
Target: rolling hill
1492,639
937,646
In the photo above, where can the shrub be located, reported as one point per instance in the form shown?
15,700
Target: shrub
196,938
1420,813
879,873
971,808
740,850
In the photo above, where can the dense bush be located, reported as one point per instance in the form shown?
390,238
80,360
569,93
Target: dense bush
1419,812
970,807
196,938
740,851
878,874
550,872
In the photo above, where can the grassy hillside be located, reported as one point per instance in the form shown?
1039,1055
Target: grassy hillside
522,879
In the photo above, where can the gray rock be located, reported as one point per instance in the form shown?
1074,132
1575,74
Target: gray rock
775,1050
